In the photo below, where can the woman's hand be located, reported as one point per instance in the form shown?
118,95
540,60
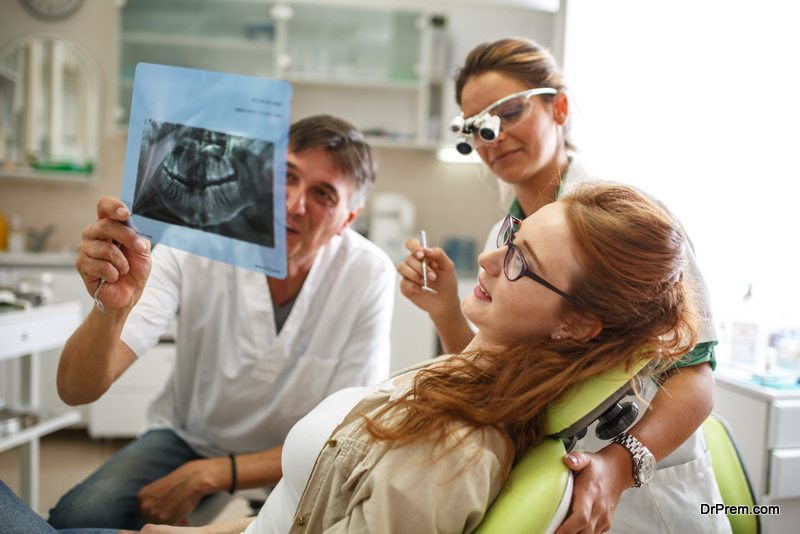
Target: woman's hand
598,488
441,277
112,251
444,306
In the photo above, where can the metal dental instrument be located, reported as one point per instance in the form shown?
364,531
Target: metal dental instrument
97,300
97,291
425,287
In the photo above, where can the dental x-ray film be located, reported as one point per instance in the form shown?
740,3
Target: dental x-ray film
205,167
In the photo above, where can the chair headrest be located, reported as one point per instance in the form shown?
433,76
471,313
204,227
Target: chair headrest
587,400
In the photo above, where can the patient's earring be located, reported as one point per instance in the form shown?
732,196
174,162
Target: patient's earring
558,337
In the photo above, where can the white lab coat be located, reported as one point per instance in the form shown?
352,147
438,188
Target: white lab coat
237,386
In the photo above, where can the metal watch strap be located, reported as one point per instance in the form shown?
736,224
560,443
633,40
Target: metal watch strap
638,453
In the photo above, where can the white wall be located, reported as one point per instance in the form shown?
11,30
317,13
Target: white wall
698,102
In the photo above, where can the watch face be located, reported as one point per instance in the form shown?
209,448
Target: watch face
51,9
647,468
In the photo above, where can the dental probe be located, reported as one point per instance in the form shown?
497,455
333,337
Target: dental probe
425,287
97,300
97,291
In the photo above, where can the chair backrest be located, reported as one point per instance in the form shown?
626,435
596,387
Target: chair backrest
587,400
537,495
731,475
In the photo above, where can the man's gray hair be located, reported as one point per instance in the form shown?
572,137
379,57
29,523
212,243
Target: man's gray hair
346,147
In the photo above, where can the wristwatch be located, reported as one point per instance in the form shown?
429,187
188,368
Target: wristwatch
644,463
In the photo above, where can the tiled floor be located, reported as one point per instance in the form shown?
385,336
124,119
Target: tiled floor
67,457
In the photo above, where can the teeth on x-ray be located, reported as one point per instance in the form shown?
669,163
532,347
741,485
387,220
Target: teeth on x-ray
203,178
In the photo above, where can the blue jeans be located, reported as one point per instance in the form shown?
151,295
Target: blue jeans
107,499
17,518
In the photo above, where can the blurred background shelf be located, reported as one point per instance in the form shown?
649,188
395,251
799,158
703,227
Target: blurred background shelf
387,64
47,421
25,334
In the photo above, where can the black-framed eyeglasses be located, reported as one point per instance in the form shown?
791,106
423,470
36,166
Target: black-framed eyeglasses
514,265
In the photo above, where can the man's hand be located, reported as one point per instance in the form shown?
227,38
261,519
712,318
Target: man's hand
170,499
94,357
113,252
598,488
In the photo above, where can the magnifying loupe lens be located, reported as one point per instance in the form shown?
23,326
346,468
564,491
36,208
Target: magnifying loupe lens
457,124
490,128
464,148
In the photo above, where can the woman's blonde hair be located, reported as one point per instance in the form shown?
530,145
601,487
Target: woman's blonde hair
634,280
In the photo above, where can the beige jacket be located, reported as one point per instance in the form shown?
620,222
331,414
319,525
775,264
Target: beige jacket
360,486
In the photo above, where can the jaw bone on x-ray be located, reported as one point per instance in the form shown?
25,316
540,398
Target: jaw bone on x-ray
211,181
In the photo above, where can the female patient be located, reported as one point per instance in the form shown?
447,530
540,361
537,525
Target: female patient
582,286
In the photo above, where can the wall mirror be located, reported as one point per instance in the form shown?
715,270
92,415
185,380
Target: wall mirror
49,99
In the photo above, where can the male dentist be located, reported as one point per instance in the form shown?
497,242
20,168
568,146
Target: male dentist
254,353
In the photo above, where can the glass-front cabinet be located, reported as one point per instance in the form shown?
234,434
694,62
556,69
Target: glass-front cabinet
48,110
225,36
381,69
326,42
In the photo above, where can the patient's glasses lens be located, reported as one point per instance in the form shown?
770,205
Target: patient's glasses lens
507,230
514,265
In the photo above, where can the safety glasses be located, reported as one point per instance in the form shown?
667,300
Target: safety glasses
501,116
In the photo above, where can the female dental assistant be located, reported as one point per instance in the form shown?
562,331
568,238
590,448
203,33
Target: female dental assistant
515,88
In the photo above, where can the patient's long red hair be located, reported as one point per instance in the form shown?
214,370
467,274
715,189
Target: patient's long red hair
635,280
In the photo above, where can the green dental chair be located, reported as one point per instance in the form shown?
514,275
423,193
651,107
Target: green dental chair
537,495
734,485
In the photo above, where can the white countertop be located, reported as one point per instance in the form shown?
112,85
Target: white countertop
37,329
38,259
744,382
